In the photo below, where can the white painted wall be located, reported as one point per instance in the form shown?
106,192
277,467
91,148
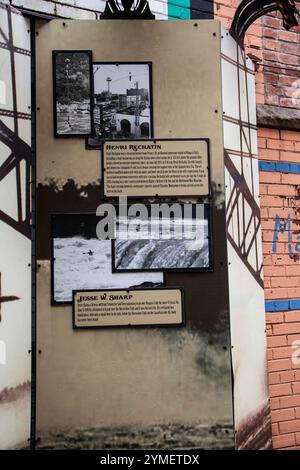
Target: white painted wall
82,9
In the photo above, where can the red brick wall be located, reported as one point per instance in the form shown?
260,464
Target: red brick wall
224,10
277,53
280,196
281,58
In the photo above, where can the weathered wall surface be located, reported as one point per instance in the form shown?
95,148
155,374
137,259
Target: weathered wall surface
248,337
281,60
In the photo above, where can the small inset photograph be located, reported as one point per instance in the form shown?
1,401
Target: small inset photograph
167,241
81,261
122,102
73,113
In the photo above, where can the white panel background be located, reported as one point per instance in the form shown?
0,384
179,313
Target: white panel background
246,296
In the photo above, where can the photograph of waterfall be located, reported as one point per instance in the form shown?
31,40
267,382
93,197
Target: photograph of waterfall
81,261
163,243
72,93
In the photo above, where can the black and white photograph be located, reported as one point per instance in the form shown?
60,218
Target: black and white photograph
122,102
81,261
171,243
73,93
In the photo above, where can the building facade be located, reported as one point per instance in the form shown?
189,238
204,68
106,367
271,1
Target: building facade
276,53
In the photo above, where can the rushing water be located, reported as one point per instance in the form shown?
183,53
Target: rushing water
162,244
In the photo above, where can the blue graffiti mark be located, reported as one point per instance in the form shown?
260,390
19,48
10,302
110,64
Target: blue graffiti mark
282,228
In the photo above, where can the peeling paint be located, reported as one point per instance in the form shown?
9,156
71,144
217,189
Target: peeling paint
8,395
60,184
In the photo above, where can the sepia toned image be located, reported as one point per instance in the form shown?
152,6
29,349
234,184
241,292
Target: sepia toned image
72,91
122,102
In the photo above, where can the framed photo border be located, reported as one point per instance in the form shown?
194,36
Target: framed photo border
210,268
146,325
56,303
172,197
54,55
150,65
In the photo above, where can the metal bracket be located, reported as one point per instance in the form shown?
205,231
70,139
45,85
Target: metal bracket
250,10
